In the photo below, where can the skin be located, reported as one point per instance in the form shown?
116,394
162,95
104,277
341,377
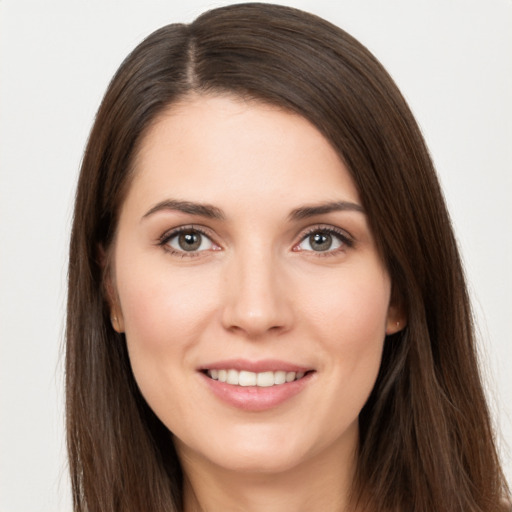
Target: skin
256,289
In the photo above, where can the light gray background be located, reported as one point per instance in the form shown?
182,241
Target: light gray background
451,58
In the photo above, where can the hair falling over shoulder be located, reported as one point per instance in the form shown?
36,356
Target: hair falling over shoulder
426,440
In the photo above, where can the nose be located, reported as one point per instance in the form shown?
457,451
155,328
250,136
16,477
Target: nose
257,299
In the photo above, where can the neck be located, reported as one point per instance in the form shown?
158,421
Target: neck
321,483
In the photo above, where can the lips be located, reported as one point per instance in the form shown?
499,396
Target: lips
256,386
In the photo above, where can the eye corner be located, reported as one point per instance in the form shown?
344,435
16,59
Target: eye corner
336,240
200,241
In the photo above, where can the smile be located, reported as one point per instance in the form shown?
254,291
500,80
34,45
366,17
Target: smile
246,378
256,385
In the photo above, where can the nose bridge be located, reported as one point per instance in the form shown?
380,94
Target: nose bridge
256,299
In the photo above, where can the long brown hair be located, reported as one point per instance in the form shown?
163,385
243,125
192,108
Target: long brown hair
426,442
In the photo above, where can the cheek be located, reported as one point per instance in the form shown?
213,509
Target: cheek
353,298
165,318
352,328
350,318
164,313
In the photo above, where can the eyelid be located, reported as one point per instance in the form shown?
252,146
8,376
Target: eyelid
164,239
346,238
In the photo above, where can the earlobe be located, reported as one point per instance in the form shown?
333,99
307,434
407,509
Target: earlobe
116,317
117,323
396,320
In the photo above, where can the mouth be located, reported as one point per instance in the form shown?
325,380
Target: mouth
245,378
256,385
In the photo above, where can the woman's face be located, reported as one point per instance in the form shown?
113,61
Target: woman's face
247,281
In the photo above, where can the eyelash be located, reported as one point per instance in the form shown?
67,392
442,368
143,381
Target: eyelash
346,240
169,235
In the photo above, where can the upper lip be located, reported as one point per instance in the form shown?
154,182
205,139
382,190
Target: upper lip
263,365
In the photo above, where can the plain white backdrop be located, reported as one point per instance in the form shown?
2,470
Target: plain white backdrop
452,60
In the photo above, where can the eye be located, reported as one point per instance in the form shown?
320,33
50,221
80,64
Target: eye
188,240
323,240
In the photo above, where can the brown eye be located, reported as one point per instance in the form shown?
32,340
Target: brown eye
324,240
190,241
320,241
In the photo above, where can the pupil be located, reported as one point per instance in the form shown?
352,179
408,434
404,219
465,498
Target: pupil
320,241
189,241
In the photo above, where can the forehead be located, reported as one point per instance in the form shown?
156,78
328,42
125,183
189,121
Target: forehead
227,149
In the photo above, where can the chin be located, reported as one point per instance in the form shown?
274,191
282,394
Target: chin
257,451
254,461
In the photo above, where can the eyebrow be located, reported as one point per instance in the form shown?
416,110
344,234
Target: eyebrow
305,212
212,212
202,210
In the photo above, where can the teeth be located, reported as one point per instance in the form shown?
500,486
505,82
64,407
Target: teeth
290,376
265,379
262,379
232,377
247,378
280,377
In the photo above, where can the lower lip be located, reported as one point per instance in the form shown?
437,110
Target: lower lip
255,398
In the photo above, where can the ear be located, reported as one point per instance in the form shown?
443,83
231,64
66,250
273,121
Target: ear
110,291
117,320
396,319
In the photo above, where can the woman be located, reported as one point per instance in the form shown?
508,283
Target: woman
267,309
